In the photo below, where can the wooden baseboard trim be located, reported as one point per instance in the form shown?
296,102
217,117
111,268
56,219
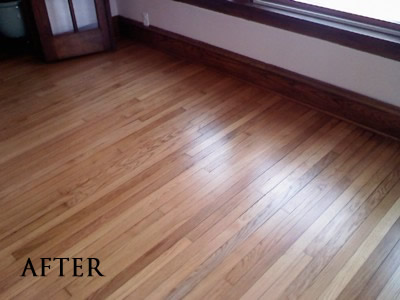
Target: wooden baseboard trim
115,21
364,111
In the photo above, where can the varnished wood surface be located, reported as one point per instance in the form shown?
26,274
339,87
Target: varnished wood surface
187,183
78,42
369,113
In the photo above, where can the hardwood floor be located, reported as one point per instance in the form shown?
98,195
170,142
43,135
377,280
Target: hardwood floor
187,183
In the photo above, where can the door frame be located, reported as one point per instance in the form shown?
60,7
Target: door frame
51,43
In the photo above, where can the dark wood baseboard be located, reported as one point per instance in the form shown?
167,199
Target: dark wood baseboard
366,112
115,21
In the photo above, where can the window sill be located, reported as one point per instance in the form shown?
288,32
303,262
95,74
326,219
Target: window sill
370,41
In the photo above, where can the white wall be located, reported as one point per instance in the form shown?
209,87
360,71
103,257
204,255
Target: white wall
351,69
114,7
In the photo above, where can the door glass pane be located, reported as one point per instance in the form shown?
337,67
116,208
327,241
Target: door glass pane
60,16
85,13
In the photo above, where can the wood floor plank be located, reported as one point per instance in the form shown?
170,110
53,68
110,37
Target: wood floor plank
185,227
187,183
276,245
386,250
274,290
252,259
363,251
142,130
392,287
374,286
216,277
323,250
269,211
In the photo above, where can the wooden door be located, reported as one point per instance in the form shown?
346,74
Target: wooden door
69,28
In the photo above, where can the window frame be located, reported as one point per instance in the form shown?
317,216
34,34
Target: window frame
334,13
378,37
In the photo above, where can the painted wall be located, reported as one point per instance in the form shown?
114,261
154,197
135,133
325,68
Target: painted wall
114,7
351,69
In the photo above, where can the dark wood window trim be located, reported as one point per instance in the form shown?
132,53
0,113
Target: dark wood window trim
371,41
332,12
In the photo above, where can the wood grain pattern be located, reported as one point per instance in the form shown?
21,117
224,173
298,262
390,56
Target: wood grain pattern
364,111
187,183
77,42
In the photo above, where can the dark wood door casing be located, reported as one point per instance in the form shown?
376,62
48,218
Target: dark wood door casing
76,43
